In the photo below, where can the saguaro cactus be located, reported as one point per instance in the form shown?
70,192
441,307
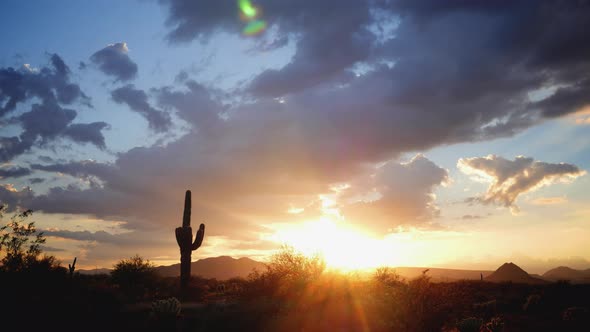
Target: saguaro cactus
72,267
184,237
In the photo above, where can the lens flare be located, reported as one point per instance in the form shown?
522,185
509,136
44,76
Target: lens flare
247,9
254,28
250,14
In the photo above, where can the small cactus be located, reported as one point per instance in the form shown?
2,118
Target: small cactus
169,307
184,238
496,324
72,267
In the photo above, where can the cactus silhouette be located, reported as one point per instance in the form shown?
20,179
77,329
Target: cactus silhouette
72,267
184,237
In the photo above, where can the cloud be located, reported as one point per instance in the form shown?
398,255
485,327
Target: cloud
14,172
446,73
196,104
400,194
52,249
80,169
114,60
48,89
49,84
98,236
13,197
471,217
331,36
87,132
137,100
511,178
36,180
549,200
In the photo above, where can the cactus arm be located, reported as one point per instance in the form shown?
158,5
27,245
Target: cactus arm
179,237
72,267
199,237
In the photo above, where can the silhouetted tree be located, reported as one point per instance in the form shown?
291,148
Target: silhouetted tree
20,244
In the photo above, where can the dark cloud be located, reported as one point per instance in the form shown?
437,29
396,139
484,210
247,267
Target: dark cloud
98,236
511,178
52,249
566,99
13,198
49,88
46,121
36,180
14,172
114,60
87,132
50,84
80,169
137,100
445,81
331,36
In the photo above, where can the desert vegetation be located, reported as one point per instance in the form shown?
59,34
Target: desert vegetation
293,293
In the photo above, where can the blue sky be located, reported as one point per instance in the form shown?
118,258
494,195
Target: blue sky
403,124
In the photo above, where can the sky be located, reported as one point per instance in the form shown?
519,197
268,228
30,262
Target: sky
382,132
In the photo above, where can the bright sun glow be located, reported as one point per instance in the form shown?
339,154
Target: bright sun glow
342,247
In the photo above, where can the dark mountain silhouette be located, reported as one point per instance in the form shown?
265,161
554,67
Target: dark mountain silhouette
222,267
94,271
510,272
566,273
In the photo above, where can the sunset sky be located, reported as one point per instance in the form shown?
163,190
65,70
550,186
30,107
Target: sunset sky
402,132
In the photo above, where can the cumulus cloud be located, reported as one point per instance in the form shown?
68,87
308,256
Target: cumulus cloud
400,194
137,100
114,60
49,89
511,178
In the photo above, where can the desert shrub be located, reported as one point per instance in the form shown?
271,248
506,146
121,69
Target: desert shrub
486,309
471,324
495,324
532,303
135,277
286,274
575,314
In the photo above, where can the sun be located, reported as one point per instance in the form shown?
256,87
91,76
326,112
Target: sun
341,246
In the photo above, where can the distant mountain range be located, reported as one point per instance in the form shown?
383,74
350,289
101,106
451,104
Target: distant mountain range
226,267
221,268
569,274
